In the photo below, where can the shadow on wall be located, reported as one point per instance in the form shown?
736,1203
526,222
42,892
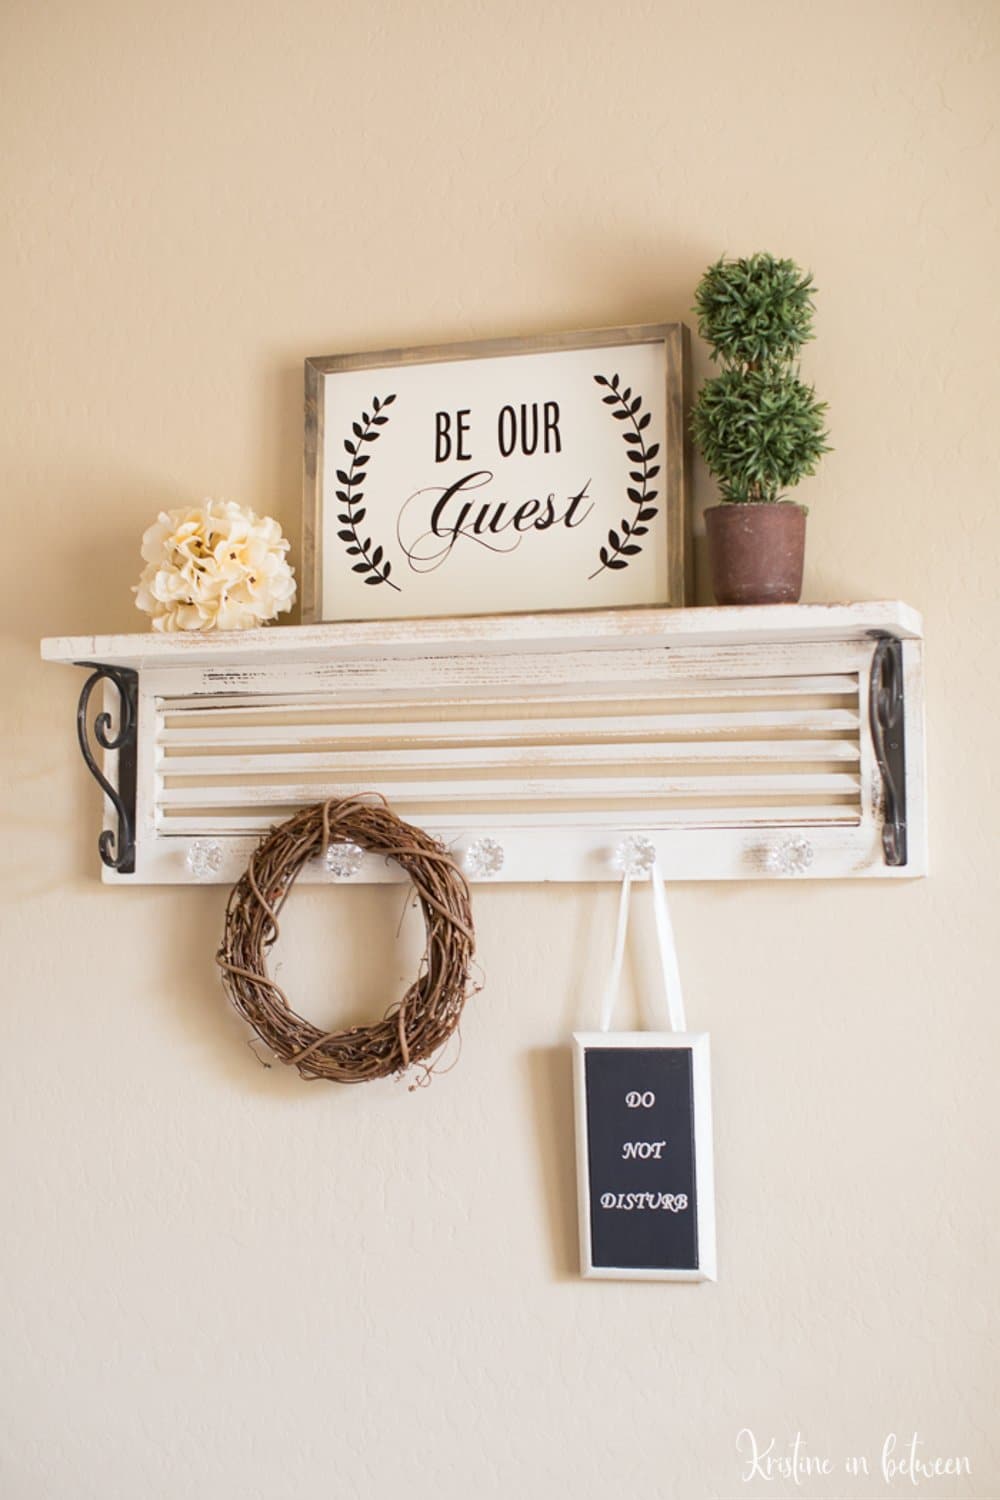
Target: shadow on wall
279,457
324,960
659,289
548,1074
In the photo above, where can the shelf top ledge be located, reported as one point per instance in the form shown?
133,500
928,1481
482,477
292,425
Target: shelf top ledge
583,630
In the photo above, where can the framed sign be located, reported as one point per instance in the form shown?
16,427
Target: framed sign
644,1155
487,478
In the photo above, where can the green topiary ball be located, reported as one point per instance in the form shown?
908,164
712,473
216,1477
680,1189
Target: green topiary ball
756,310
759,431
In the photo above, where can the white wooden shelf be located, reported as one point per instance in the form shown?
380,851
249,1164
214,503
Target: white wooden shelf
743,742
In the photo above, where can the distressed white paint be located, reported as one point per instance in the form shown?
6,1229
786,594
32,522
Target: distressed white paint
712,739
493,634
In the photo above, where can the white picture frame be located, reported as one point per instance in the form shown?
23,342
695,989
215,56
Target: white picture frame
501,476
704,1167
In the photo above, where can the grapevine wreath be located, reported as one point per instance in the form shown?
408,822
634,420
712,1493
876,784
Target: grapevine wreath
413,1029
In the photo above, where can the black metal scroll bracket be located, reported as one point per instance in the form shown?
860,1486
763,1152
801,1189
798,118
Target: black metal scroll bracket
117,849
886,715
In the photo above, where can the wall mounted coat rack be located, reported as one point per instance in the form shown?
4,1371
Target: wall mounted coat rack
765,741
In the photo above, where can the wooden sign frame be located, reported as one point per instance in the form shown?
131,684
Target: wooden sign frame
704,1173
600,521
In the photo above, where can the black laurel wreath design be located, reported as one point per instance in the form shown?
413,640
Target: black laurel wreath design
373,563
621,544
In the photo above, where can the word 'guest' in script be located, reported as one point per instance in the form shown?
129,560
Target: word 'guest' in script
432,519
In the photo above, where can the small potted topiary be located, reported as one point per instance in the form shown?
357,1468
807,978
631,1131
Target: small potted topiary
759,428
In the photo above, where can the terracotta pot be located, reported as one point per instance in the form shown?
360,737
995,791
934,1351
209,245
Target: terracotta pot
756,552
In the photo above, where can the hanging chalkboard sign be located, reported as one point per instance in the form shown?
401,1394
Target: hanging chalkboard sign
644,1155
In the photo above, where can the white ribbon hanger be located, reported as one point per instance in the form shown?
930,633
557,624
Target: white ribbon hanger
636,857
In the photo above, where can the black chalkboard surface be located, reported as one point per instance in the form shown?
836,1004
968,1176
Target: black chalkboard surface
644,1155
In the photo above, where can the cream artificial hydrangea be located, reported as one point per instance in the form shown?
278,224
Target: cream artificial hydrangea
214,567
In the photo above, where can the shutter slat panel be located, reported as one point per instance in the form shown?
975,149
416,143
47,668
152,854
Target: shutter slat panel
189,825
839,685
718,734
664,726
509,757
522,789
740,739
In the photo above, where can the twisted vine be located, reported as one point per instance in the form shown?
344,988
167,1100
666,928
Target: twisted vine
621,544
371,562
413,1030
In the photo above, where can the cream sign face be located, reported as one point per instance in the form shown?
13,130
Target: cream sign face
494,478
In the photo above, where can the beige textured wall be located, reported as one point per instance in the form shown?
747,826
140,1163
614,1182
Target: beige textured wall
219,1282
